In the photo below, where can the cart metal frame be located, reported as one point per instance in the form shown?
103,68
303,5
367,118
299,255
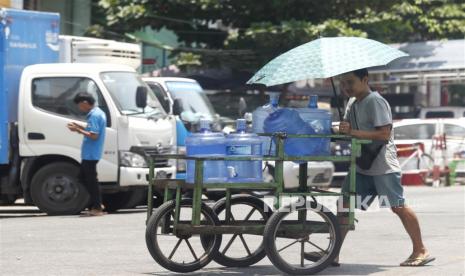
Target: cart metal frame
277,187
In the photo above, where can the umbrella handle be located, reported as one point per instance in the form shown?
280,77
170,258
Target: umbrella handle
337,100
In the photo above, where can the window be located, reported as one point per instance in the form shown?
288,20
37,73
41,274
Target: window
56,95
439,114
192,96
122,87
454,131
161,95
414,132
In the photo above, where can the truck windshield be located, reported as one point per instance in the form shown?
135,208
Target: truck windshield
192,96
123,86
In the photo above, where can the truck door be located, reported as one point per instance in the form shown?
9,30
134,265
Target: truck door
53,108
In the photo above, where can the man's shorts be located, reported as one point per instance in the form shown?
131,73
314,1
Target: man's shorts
387,187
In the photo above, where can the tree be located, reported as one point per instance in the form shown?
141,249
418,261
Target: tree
245,34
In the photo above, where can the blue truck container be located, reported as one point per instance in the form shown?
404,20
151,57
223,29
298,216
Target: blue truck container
22,43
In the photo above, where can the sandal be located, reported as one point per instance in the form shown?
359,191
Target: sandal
418,261
316,256
93,213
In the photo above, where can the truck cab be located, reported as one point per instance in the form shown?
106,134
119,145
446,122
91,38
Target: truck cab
51,153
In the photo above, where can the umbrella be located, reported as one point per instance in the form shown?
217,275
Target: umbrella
324,58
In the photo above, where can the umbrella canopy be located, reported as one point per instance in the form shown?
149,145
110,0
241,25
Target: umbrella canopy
323,58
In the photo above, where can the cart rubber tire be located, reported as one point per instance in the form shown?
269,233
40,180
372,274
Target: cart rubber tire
259,253
153,245
270,245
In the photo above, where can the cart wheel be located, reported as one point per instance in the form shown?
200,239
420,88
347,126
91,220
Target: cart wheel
248,252
180,253
295,230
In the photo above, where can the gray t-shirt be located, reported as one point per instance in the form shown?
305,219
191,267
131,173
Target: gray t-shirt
371,112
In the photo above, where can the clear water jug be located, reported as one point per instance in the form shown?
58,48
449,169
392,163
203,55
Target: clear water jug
243,144
258,118
206,144
320,121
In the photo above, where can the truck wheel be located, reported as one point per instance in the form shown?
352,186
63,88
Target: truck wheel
56,190
123,200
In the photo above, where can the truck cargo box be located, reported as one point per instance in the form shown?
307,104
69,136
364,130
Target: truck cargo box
26,38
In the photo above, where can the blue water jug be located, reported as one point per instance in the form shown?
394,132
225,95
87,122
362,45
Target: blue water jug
206,144
258,119
320,121
288,120
243,144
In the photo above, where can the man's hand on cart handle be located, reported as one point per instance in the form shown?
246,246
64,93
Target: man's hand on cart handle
345,128
381,133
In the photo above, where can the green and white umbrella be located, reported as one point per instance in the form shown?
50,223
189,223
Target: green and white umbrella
323,58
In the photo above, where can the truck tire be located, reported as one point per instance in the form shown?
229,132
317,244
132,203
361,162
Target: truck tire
123,200
56,189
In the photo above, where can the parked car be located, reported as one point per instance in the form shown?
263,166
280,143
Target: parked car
413,131
319,174
410,131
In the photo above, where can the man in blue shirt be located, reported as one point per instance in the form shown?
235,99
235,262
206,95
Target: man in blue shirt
92,147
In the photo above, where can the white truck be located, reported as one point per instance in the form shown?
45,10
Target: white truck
39,157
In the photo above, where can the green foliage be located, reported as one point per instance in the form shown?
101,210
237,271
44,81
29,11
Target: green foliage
266,28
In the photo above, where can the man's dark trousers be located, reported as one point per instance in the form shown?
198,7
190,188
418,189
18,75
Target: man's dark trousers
89,178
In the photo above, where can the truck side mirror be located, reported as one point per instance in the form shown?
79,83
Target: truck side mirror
177,107
141,96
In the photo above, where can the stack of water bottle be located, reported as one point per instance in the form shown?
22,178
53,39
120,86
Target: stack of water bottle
269,118
214,144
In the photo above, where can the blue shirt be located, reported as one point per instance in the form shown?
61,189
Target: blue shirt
96,123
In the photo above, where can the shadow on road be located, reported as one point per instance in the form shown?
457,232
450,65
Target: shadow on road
344,269
6,212
24,211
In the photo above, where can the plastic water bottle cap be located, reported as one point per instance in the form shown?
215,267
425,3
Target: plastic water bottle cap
204,124
313,102
241,125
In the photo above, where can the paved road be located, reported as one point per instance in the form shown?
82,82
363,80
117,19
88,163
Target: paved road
34,244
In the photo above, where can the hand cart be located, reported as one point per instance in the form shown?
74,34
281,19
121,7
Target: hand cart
300,238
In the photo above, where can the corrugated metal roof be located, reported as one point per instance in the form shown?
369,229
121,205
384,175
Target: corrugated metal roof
428,56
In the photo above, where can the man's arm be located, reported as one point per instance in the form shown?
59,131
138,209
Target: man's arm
382,133
78,125
91,135
80,129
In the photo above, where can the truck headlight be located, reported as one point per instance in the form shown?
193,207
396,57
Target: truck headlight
181,163
131,159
